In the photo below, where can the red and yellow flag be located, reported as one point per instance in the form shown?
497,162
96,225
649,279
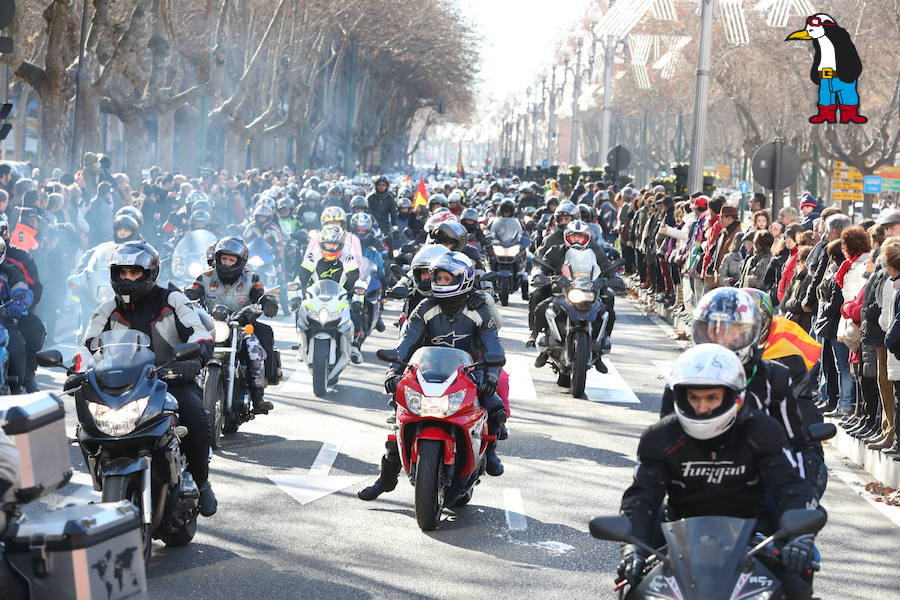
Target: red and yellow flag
421,197
786,338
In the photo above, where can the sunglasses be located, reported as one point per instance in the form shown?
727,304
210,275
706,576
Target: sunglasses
817,22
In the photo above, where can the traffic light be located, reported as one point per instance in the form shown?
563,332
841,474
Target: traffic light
7,15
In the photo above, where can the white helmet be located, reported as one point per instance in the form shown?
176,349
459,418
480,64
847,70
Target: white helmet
708,366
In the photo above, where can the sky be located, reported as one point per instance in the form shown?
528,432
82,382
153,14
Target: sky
519,38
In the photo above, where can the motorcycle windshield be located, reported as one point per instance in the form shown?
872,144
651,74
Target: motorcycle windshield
260,253
506,230
122,356
582,264
706,553
189,255
325,290
437,364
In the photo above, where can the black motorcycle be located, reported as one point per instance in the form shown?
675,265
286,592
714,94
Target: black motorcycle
509,243
572,344
710,558
130,437
225,390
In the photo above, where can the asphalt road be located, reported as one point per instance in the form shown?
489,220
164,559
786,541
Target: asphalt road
524,535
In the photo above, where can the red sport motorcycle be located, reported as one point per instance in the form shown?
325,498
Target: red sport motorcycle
441,431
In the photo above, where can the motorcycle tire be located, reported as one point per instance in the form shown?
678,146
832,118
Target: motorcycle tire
128,487
581,354
183,535
320,367
504,298
213,397
429,491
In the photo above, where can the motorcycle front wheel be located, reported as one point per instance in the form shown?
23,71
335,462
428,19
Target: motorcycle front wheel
581,353
429,492
213,397
128,487
320,367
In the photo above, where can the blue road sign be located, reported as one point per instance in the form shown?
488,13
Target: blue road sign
872,184
744,186
544,164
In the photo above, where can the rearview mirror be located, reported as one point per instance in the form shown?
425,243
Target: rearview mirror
398,270
492,360
614,529
388,356
800,521
50,358
819,432
188,351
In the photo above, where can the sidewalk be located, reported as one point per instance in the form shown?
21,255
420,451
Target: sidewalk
882,468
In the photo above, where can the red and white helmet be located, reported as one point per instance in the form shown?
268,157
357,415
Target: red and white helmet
442,216
577,235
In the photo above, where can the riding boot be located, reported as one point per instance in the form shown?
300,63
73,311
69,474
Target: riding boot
495,422
261,406
387,480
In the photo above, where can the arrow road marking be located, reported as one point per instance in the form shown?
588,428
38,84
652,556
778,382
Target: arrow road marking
515,510
317,483
609,387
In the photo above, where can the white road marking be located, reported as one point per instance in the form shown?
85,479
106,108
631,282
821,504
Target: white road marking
521,387
515,510
300,381
316,483
609,387
515,332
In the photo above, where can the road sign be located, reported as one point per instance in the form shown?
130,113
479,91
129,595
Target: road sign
847,196
872,184
618,158
723,172
776,165
744,186
544,164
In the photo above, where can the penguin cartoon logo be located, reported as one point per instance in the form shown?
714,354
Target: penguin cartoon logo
836,68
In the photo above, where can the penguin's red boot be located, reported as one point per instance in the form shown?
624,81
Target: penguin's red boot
827,114
850,114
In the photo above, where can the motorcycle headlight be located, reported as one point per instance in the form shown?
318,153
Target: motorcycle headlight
510,252
434,406
118,422
324,315
223,332
195,269
581,296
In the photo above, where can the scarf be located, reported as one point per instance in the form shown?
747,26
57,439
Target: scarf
842,270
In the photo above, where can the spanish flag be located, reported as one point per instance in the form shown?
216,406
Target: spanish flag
421,197
786,338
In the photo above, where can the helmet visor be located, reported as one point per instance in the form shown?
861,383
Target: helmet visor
733,335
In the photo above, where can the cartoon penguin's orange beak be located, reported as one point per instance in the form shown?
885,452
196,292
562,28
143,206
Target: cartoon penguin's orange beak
799,35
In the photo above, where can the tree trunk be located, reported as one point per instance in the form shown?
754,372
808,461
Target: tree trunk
54,131
89,121
235,150
20,126
135,145
165,138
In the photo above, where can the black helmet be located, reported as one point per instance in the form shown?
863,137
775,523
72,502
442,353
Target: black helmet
284,204
335,191
381,179
133,254
234,246
312,198
358,203
125,221
312,183
406,192
469,219
451,232
507,206
438,199
587,213
202,205
134,211
566,209
404,203
200,219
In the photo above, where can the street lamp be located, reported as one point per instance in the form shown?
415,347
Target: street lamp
701,97
576,93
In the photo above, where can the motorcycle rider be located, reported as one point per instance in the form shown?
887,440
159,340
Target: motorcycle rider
384,208
17,298
30,326
330,260
469,219
362,225
455,237
262,225
333,215
729,317
714,456
231,284
445,320
578,237
406,218
167,317
420,277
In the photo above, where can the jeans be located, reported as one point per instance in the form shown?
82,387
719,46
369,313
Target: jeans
834,91
841,354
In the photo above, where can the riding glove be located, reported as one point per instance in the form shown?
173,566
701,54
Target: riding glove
475,301
182,370
488,384
73,381
797,554
632,565
390,384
